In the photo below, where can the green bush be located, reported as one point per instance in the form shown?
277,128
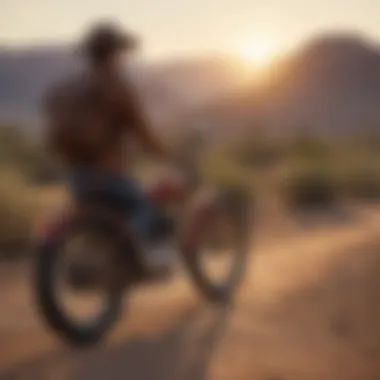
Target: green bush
27,156
224,171
17,209
310,191
310,148
311,184
362,184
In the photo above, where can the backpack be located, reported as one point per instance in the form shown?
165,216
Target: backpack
78,121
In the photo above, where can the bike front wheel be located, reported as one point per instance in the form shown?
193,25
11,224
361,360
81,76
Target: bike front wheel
217,260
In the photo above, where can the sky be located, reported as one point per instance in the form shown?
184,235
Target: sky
175,27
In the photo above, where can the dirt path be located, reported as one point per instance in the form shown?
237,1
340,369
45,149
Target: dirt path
309,309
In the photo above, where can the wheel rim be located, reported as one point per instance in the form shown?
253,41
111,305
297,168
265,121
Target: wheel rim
84,278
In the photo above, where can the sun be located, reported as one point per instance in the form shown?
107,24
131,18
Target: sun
258,52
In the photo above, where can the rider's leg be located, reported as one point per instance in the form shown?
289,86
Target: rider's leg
116,192
137,208
123,195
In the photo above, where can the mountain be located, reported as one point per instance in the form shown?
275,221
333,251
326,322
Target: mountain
167,88
330,85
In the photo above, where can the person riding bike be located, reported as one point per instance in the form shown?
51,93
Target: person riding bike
91,116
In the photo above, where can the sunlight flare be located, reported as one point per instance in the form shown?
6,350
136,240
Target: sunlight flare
258,52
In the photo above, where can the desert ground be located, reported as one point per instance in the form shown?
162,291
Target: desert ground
309,309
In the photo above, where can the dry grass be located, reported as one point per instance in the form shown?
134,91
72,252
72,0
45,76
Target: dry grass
23,208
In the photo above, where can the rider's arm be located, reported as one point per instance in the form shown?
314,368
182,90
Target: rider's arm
135,117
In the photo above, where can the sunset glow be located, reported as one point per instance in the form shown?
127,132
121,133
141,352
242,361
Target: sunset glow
258,52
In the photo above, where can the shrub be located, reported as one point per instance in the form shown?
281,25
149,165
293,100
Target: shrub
27,156
310,188
223,171
362,185
17,209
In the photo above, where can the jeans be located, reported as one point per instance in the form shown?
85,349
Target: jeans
116,192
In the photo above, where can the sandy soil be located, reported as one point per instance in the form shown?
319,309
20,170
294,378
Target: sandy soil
309,309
